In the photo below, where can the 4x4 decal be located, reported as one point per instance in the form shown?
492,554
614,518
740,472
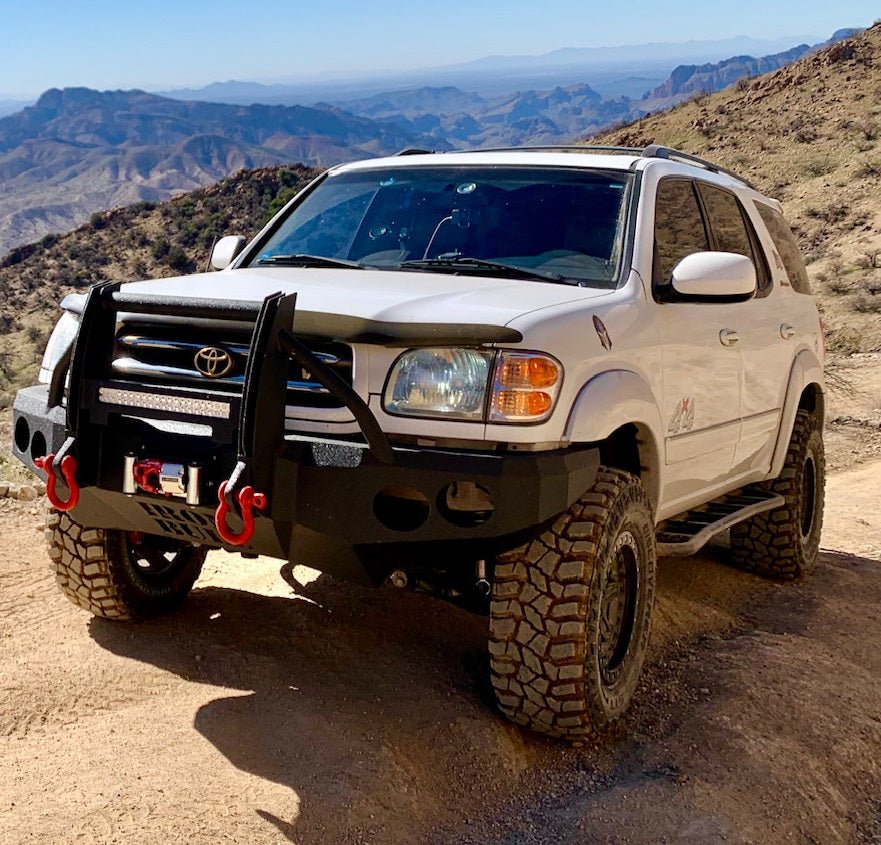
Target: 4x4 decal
683,416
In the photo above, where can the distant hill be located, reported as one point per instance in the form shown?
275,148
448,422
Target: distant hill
693,79
76,151
809,134
609,69
144,240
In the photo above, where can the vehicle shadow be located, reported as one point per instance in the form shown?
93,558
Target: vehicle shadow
373,706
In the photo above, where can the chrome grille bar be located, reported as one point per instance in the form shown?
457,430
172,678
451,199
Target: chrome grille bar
134,368
167,356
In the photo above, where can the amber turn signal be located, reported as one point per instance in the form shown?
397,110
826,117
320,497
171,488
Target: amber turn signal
523,372
522,403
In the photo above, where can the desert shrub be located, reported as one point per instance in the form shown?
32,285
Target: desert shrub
844,342
160,249
178,260
866,303
818,167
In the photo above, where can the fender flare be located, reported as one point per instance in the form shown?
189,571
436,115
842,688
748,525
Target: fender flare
806,370
615,398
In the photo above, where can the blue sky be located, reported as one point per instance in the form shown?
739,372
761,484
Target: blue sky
166,44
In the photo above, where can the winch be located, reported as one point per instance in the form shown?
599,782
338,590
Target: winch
161,478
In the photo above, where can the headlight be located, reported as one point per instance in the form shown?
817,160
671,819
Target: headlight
62,335
448,383
454,383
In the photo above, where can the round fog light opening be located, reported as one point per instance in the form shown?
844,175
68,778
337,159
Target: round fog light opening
401,508
22,434
38,446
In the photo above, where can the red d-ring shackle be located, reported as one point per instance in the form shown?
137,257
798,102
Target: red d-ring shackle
248,502
68,470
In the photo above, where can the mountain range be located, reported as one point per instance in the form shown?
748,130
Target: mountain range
627,69
76,151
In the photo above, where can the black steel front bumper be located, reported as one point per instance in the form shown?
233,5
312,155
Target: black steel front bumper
328,501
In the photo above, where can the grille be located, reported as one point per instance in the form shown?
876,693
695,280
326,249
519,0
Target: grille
157,354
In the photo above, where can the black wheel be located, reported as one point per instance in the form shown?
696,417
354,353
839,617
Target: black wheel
784,543
570,614
118,574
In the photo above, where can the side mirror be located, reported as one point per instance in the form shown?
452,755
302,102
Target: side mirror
226,250
715,274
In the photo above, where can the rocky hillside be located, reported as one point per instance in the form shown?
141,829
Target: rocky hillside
144,240
810,135
77,151
693,79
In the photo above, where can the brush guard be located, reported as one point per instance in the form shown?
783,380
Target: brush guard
254,422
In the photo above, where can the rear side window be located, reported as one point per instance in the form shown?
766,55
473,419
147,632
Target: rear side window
679,228
732,232
787,248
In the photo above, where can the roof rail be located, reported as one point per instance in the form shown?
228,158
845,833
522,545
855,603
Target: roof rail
651,151
659,151
560,148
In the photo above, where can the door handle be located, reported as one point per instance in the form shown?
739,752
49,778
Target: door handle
787,331
728,337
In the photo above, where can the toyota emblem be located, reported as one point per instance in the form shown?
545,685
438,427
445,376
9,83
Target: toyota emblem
213,362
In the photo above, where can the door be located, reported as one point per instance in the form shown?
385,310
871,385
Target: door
767,353
701,359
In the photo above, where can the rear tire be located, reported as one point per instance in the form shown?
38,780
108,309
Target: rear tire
784,543
117,574
571,612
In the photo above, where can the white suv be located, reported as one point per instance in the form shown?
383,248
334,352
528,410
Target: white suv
512,378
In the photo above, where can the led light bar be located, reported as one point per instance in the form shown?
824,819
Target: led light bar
163,402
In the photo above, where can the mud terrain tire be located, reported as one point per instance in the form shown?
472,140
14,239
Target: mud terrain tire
113,575
784,543
571,612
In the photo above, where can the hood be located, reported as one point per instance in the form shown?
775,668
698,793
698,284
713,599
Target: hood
388,297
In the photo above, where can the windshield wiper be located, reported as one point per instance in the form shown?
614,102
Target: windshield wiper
302,259
462,263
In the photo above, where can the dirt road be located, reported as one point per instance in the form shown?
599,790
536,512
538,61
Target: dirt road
271,711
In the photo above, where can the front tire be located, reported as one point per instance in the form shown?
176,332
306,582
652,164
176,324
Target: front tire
784,543
117,574
571,612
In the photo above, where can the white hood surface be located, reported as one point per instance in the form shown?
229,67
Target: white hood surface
382,296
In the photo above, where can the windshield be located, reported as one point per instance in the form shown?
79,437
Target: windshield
554,224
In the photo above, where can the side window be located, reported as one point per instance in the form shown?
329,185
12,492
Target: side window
732,231
787,248
679,228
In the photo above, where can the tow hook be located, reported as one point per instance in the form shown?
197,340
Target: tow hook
248,502
68,470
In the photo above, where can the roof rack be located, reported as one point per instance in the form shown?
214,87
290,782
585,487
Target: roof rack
414,151
659,151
